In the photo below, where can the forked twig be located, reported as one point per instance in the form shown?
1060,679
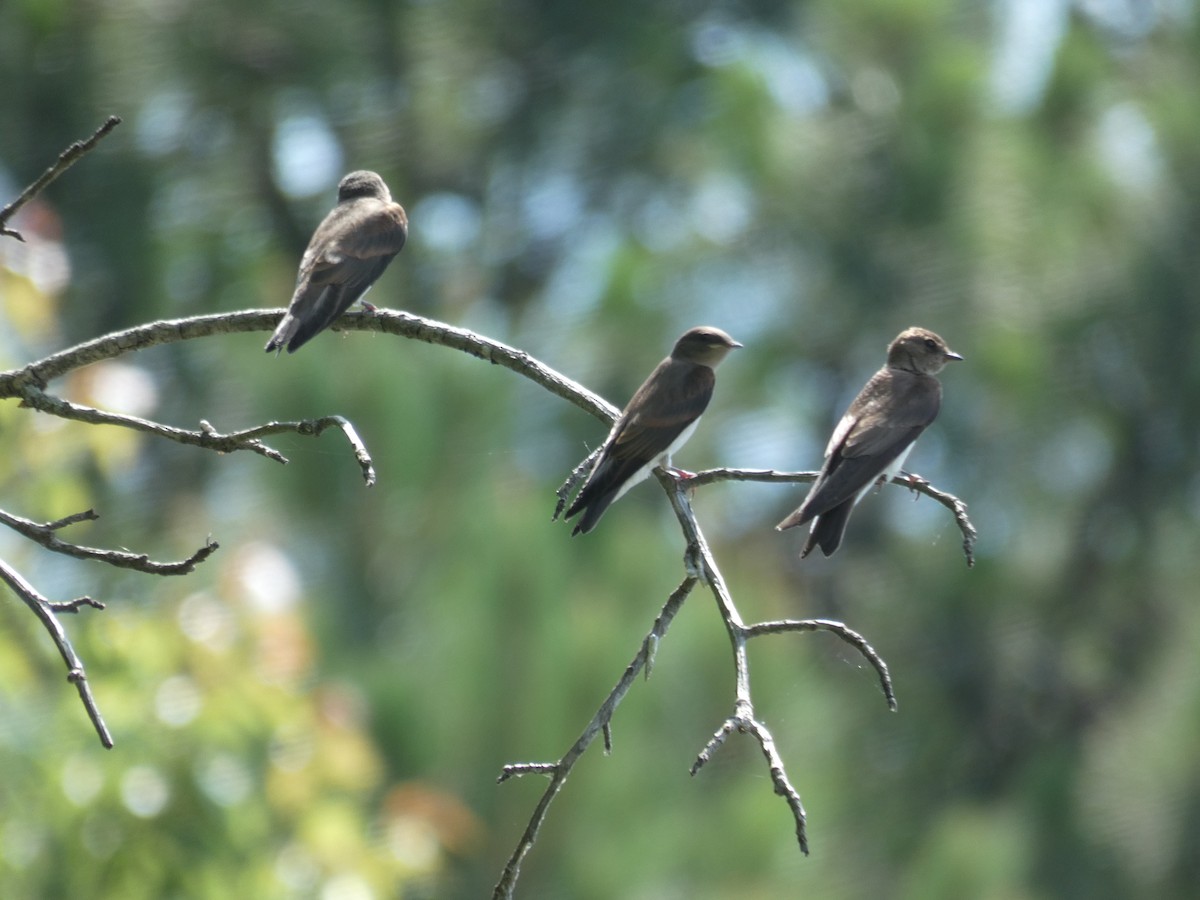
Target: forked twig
47,612
65,160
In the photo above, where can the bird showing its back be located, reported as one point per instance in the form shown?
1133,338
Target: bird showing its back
348,252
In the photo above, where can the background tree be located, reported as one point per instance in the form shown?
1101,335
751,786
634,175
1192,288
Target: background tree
326,707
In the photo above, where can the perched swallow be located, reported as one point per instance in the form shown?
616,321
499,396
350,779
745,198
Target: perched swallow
347,253
658,421
875,435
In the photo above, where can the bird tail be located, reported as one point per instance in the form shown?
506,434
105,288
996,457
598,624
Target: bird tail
283,333
798,516
828,529
593,505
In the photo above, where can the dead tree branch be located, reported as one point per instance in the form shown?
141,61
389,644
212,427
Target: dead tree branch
700,566
600,723
46,534
47,612
29,385
65,160
914,483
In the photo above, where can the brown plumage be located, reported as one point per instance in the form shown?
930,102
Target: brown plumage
658,420
349,250
875,435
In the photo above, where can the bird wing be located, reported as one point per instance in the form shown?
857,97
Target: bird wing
869,438
639,438
664,411
382,231
335,273
358,257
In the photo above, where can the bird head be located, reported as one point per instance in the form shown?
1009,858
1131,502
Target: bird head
704,345
362,184
919,350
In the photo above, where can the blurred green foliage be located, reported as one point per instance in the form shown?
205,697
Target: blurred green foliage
322,710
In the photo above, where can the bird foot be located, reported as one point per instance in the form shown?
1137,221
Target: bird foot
914,482
369,308
681,474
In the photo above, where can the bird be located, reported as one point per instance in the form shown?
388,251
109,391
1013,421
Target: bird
348,252
660,417
875,435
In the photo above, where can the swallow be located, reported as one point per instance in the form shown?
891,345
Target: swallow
875,436
658,420
349,250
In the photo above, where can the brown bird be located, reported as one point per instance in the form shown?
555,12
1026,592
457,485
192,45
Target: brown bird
347,253
659,419
875,435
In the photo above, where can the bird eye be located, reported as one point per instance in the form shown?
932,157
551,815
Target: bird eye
930,344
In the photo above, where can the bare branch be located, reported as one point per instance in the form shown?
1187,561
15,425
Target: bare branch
772,476
701,566
577,475
29,385
919,485
65,160
46,535
46,611
849,635
745,723
559,771
73,606
206,435
743,718
914,483
14,383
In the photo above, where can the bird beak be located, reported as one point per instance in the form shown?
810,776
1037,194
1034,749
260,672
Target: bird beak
735,345
951,355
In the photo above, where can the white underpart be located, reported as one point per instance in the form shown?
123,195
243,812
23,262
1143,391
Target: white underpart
889,473
663,459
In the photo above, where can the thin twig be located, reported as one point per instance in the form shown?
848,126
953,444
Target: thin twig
849,635
65,160
73,606
914,483
46,611
45,534
577,475
559,771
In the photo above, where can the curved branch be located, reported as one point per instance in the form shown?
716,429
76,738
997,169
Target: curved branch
914,483
849,635
29,383
700,565
46,611
15,382
46,534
